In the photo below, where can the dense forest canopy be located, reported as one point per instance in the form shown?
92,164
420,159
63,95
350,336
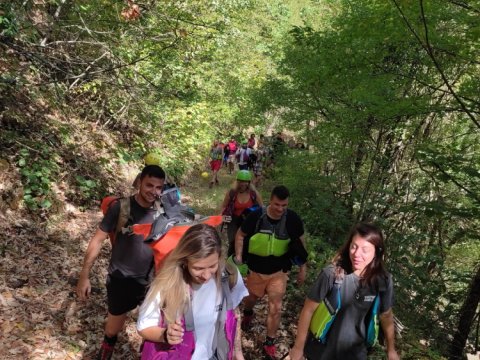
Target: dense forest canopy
384,93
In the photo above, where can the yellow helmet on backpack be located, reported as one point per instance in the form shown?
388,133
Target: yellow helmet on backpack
152,159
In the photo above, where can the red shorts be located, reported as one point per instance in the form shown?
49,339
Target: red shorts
215,165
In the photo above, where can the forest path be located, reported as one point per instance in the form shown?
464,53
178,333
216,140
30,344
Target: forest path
41,317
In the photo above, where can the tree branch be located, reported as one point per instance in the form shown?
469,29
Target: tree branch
429,51
440,70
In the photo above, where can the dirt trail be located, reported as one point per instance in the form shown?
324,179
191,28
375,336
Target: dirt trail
41,317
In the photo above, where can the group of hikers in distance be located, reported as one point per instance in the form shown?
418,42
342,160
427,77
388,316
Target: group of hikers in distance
190,299
251,154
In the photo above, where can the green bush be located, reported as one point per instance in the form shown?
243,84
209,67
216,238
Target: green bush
38,172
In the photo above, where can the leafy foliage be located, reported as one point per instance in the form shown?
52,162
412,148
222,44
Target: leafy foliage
37,174
385,94
380,91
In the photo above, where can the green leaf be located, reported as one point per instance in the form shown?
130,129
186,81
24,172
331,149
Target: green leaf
45,204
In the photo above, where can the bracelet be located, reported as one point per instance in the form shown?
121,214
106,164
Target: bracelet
165,337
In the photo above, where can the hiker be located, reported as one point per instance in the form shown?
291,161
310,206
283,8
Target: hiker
268,233
268,152
226,152
251,141
192,302
232,151
357,274
243,156
260,155
153,158
131,261
278,146
150,158
216,156
236,202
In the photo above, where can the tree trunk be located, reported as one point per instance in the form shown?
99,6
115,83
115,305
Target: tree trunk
466,316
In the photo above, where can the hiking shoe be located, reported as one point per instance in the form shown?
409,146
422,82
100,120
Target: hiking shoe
269,351
105,352
246,324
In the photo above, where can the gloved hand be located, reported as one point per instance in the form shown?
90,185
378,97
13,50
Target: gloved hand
243,268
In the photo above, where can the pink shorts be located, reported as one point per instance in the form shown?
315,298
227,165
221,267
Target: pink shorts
215,165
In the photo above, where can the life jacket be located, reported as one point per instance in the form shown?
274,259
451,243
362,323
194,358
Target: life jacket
224,335
326,312
172,221
269,239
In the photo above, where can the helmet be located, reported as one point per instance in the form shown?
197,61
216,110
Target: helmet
244,175
152,159
204,174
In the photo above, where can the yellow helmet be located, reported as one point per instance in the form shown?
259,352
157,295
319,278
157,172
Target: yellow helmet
152,159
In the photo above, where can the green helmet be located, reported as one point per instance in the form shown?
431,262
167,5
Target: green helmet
244,175
152,159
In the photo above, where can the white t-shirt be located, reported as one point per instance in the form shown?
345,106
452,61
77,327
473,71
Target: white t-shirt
241,151
206,301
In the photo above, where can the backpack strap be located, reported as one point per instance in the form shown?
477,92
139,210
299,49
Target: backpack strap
333,297
253,196
228,281
124,214
231,204
232,274
263,213
282,224
327,310
189,324
226,290
373,323
339,274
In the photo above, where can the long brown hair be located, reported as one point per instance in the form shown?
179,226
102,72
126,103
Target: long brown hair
172,283
374,271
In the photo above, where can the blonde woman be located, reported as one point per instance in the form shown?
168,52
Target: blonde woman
184,313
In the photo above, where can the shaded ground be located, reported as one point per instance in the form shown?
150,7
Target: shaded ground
40,316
